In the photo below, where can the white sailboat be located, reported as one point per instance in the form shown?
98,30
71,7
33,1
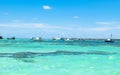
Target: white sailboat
109,39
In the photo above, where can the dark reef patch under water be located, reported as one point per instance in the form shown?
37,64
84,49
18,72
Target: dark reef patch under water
34,54
23,56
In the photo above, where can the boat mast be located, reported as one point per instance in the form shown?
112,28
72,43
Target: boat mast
110,36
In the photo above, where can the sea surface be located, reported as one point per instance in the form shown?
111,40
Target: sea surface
48,57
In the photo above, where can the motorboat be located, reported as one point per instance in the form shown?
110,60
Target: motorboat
37,38
109,40
12,38
55,39
1,37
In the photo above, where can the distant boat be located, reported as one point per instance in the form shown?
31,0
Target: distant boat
12,38
37,38
1,37
55,39
109,39
66,39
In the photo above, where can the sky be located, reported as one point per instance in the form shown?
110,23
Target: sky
60,18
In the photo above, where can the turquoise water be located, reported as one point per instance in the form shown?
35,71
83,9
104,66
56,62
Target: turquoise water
90,57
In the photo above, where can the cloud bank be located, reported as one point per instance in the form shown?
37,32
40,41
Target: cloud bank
54,30
51,27
46,7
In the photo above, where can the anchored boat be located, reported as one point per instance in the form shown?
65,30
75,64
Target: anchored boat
109,39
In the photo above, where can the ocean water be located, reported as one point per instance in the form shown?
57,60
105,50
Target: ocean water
89,57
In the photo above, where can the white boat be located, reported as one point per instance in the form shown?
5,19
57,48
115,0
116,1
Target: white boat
11,38
66,39
55,39
37,38
109,39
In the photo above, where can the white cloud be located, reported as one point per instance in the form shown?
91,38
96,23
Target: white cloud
46,27
76,17
96,29
46,7
38,25
23,25
106,23
37,28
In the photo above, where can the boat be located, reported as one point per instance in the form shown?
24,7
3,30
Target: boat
55,39
66,39
1,37
12,38
37,38
109,40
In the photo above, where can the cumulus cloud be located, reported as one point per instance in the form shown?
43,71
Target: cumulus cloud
46,7
75,17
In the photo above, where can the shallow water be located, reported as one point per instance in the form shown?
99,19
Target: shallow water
90,57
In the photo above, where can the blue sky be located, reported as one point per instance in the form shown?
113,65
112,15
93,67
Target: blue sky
60,18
